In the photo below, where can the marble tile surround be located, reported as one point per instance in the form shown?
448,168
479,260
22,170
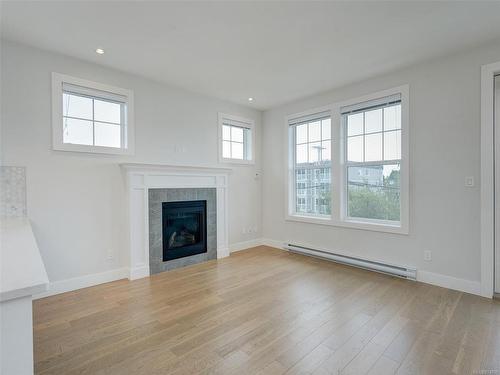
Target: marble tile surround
156,197
13,191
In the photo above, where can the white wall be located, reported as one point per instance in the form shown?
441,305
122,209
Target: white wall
75,200
444,147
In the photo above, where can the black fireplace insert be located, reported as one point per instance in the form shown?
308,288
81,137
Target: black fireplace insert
184,229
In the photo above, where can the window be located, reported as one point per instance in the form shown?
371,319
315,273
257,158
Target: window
348,163
235,139
91,117
373,159
311,164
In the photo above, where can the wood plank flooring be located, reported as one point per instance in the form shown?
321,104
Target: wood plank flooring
266,311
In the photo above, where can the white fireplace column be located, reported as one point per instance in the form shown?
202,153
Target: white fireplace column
142,177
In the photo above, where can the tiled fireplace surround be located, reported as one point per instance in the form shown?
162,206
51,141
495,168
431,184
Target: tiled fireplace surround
156,198
147,187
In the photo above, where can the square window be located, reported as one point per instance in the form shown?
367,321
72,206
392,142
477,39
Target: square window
91,117
235,139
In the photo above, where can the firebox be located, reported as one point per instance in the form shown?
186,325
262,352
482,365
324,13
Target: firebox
184,229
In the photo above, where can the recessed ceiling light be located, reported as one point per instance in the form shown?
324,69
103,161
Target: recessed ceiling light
99,51
250,99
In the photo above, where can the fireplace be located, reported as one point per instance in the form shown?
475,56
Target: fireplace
184,228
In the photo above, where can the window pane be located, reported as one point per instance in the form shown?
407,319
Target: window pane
355,124
107,111
315,152
78,132
236,150
247,134
373,121
392,145
301,154
226,149
326,129
313,191
77,106
315,131
226,132
392,117
373,147
374,192
107,135
355,148
301,136
326,152
236,134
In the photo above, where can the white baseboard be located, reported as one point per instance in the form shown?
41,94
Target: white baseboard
245,245
75,283
450,282
138,272
256,242
274,243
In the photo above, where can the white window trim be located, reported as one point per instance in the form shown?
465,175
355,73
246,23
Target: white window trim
338,217
251,125
57,115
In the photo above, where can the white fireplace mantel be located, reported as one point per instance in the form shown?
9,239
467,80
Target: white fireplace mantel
142,177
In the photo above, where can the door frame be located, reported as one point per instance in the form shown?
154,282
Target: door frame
488,73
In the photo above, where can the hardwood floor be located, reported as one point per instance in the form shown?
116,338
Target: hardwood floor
266,311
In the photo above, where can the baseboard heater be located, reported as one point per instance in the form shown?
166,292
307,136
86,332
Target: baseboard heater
390,269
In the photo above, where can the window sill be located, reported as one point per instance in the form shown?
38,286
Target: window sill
237,161
92,149
350,223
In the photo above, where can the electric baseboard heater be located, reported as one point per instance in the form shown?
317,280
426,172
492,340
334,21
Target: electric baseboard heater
390,269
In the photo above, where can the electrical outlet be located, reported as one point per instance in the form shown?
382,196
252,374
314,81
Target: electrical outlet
110,255
469,181
427,255
179,149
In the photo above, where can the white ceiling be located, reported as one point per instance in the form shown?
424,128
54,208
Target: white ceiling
275,52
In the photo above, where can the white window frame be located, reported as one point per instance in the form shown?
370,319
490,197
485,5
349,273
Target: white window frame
249,124
127,129
291,191
338,173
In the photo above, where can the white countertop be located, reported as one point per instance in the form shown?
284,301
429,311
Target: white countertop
22,272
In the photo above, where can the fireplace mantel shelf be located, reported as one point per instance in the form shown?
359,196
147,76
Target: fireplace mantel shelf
174,167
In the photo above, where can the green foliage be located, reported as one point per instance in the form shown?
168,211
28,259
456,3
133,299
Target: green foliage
380,202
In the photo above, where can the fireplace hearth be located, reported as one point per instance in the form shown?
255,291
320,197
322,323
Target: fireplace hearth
184,226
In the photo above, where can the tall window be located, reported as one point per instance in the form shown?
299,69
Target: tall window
373,159
312,164
235,139
91,117
348,163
